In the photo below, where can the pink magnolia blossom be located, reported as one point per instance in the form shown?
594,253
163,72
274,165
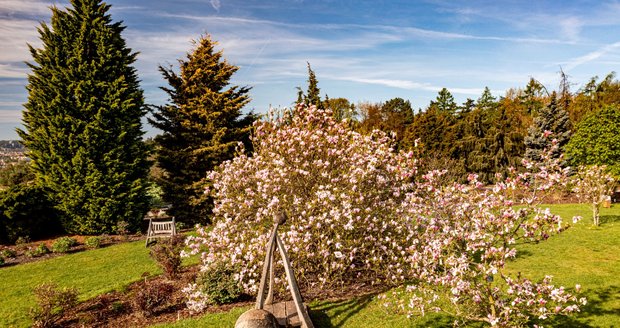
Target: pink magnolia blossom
359,211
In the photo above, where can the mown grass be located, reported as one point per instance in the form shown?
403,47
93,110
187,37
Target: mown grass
583,254
91,272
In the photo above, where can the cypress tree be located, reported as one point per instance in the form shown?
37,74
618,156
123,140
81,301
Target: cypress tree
82,120
201,127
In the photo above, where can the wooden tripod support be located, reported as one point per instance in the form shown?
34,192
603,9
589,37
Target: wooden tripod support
263,301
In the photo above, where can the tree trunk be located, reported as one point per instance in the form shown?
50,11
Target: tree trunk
595,213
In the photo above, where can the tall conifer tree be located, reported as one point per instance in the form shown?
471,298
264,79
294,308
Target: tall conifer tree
551,119
82,120
312,96
201,127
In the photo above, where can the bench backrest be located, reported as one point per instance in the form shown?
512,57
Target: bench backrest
162,227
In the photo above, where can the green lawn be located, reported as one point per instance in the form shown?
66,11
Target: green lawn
92,272
583,254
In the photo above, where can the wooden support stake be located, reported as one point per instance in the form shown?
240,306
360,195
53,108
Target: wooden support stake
260,300
292,283
272,270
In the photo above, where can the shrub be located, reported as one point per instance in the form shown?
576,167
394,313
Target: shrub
167,254
8,253
357,216
52,302
151,296
122,228
93,242
217,285
63,244
340,189
22,241
26,211
37,251
16,174
1,260
180,226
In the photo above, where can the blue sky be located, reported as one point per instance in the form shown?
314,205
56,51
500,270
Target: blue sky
360,50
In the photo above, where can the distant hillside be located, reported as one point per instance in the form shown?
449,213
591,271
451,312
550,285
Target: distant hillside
11,151
11,144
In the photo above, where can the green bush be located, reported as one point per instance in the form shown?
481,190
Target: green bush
122,228
38,251
1,261
26,211
22,241
63,244
218,284
15,174
8,253
52,302
93,242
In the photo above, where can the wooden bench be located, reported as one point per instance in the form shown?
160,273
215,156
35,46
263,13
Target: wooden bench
160,227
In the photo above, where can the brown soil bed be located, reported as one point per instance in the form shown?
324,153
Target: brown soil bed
120,309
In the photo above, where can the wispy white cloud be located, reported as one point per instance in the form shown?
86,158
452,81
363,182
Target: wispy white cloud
28,7
10,116
571,28
409,85
15,34
12,71
382,33
591,56
215,4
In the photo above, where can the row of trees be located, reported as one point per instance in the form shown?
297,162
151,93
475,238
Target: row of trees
84,134
89,163
488,135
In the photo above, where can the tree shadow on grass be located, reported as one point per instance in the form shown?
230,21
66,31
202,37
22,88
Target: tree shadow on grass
599,302
606,219
521,254
337,314
342,311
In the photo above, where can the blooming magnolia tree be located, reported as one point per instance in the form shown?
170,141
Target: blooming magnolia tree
593,184
360,211
464,234
341,190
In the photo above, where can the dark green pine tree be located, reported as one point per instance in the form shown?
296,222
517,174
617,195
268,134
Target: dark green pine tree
551,119
201,127
444,101
82,120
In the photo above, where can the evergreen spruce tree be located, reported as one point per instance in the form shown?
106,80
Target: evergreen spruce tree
201,127
82,120
551,119
312,95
